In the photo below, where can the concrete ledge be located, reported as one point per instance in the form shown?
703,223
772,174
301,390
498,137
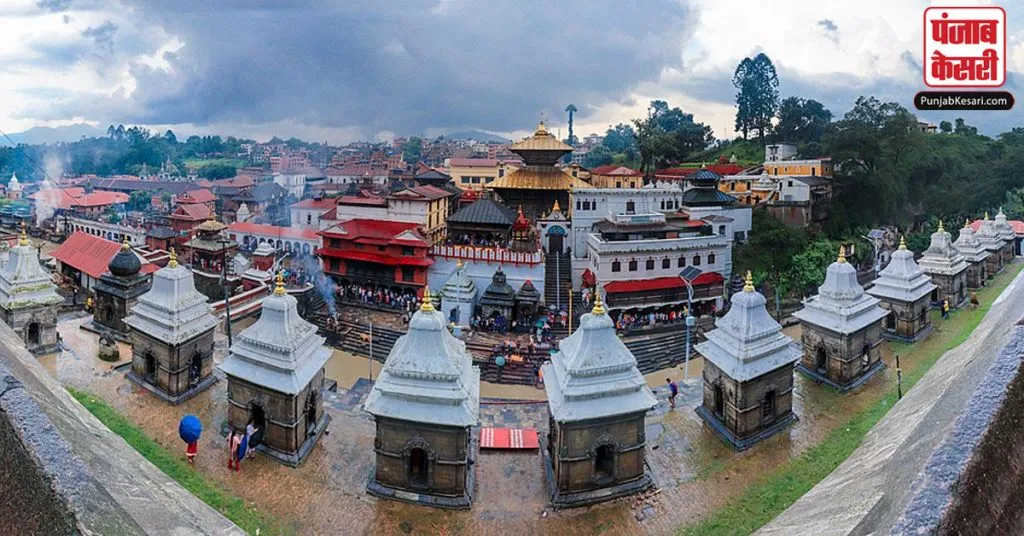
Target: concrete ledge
741,444
875,489
103,484
861,380
920,335
972,482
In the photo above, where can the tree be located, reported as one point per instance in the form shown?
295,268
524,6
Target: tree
139,200
758,96
620,138
217,171
961,127
111,131
770,250
412,150
667,136
801,120
598,156
170,137
571,109
946,127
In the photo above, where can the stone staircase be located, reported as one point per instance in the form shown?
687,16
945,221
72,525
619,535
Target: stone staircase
557,280
355,338
663,350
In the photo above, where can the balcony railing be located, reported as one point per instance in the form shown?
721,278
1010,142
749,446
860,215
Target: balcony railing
499,255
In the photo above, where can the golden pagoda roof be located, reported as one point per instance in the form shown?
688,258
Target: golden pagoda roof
538,178
212,226
542,140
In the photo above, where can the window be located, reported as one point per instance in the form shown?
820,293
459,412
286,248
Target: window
488,180
578,205
681,263
630,207
732,186
408,250
309,219
359,246
335,265
666,263
616,266
711,258
789,184
814,171
632,265
382,248
696,260
501,172
662,204
768,405
604,462
465,180
776,172
618,184
476,180
407,274
721,230
649,265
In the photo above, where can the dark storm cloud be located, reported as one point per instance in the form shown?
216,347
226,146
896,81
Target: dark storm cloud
403,66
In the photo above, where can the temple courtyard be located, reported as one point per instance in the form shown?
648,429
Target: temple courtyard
695,472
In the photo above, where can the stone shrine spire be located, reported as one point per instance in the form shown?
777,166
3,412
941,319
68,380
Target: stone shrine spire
841,304
902,279
747,343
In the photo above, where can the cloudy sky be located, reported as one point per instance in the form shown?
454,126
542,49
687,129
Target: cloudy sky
342,70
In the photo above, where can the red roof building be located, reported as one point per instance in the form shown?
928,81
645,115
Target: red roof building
375,252
84,258
250,235
187,217
196,196
616,177
76,198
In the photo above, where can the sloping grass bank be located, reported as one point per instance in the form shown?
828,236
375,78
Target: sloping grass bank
767,498
230,506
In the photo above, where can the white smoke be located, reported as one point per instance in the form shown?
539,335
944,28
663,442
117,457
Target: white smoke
46,204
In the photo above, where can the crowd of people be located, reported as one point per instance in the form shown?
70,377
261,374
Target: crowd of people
465,239
631,321
493,324
379,296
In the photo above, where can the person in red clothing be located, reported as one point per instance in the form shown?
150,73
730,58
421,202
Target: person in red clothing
191,450
234,440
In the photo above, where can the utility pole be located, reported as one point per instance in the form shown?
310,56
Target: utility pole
224,285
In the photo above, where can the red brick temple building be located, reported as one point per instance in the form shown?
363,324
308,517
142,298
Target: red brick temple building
376,252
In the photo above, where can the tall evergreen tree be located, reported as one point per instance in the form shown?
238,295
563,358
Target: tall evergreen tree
758,96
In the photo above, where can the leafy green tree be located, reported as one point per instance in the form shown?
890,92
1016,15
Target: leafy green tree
412,150
961,127
620,138
946,127
807,270
801,120
598,156
170,137
758,97
770,249
217,171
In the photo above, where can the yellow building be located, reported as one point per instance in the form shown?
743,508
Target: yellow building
613,176
750,189
476,173
425,205
818,167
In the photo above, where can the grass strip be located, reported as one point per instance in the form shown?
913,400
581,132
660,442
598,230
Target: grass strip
229,505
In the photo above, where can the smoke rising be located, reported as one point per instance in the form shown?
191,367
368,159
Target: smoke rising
324,285
46,204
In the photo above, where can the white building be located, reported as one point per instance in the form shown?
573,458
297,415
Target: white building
637,260
306,213
293,182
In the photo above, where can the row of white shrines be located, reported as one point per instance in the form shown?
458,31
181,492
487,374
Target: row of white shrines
426,400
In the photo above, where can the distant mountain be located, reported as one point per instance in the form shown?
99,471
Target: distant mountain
38,135
477,135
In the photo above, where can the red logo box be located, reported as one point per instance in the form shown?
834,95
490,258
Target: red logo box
964,46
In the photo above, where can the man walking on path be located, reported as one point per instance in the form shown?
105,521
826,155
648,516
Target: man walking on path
945,309
673,391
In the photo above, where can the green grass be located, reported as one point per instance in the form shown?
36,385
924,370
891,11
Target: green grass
232,507
200,162
767,498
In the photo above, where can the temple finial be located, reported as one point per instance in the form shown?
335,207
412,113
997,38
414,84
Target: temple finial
598,303
986,215
941,228
967,222
428,305
842,255
279,289
903,243
173,263
748,283
23,239
125,246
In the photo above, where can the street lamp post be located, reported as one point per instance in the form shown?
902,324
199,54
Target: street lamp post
688,275
224,285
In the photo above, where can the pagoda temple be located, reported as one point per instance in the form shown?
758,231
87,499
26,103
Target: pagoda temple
974,254
172,336
597,400
841,330
499,298
275,371
539,184
207,252
459,296
117,291
905,291
425,404
993,244
1005,231
748,372
527,300
947,268
28,298
704,192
